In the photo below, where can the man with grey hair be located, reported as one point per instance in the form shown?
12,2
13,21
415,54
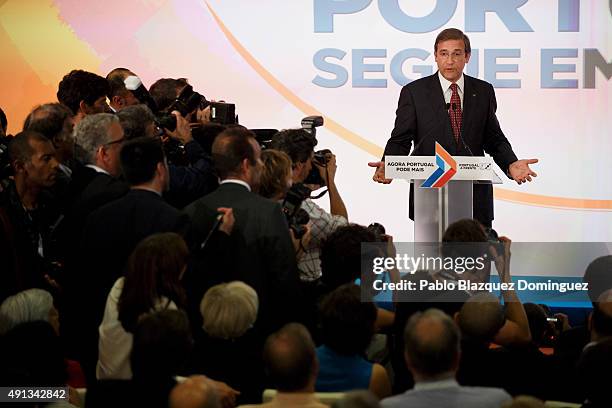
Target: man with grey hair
28,306
432,352
94,183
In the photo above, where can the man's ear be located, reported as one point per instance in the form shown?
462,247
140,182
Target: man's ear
84,108
160,168
18,166
467,57
244,166
407,360
117,101
590,321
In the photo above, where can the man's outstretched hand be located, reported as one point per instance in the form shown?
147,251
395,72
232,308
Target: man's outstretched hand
379,174
520,171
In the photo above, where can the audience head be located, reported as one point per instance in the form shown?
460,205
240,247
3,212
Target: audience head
537,321
291,360
33,160
599,276
481,317
341,255
84,93
237,155
143,162
357,399
154,270
601,318
593,368
165,91
347,323
28,306
432,347
467,238
99,138
162,344
299,145
118,95
465,230
195,392
276,175
55,122
137,121
229,309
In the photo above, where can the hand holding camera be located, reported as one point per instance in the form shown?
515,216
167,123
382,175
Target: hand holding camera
501,255
182,132
327,169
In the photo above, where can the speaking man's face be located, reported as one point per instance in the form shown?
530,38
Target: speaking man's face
451,59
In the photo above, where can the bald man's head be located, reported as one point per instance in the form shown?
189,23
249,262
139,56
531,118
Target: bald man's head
290,358
481,317
431,344
195,392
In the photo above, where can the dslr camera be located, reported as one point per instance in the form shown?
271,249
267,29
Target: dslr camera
297,217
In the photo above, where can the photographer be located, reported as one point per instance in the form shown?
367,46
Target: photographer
299,145
187,182
119,96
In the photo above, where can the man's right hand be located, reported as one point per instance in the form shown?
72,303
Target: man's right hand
502,261
379,174
182,133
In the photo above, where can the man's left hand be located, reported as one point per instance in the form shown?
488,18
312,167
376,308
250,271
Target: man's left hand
520,171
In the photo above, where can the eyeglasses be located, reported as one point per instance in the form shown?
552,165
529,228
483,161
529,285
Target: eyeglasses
454,55
114,142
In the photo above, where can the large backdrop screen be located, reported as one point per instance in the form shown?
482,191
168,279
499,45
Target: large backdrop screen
278,61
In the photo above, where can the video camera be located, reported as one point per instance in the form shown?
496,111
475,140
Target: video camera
297,217
188,101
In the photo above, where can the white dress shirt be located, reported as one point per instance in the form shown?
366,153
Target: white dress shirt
445,84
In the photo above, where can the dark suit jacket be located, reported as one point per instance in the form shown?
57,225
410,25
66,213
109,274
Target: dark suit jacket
422,119
261,252
109,237
88,190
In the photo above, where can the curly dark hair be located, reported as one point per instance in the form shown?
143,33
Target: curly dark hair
79,85
347,323
297,143
341,256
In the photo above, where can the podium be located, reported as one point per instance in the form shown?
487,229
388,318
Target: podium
443,187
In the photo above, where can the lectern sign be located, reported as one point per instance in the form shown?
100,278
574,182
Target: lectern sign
438,170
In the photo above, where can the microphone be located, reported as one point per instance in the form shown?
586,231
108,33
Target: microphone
448,105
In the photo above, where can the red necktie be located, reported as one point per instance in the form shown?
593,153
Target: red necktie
456,116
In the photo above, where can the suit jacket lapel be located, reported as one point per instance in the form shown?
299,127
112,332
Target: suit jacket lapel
469,95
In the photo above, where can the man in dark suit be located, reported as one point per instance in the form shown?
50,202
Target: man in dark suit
113,231
259,251
457,111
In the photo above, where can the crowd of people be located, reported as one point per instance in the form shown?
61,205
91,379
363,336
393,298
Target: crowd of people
153,258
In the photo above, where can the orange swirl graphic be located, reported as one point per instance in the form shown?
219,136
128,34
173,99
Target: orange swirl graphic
376,151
